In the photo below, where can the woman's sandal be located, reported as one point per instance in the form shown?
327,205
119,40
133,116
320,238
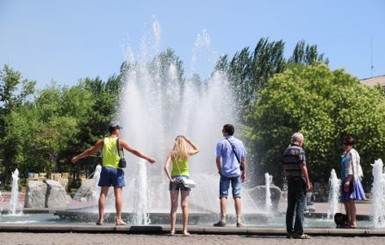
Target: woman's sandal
120,222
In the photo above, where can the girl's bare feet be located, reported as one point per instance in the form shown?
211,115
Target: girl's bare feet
100,222
353,225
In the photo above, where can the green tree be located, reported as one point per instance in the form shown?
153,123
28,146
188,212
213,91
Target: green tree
63,121
249,71
14,91
53,128
44,133
307,54
325,106
98,110
25,124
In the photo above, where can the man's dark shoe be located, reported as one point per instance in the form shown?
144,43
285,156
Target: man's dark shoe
303,236
220,224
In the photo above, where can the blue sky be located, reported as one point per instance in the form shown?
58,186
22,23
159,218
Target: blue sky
63,41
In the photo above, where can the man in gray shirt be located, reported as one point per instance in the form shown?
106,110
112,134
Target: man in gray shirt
296,174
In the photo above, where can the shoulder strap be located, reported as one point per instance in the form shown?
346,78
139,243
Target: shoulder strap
117,146
232,146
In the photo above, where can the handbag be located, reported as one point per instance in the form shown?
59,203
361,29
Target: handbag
188,183
351,186
341,220
122,162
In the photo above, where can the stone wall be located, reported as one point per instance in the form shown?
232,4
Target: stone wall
45,194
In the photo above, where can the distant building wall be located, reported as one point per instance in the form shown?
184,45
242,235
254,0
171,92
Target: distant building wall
373,81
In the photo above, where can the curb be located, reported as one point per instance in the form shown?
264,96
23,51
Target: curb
201,230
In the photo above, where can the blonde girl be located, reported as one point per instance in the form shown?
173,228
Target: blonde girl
178,159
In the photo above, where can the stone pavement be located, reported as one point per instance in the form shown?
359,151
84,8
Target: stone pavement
112,239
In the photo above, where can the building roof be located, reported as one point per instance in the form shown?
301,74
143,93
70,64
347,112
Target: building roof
373,81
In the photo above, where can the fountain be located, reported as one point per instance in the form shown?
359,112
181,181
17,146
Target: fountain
1,200
96,177
268,203
155,106
378,194
141,198
14,201
88,193
334,195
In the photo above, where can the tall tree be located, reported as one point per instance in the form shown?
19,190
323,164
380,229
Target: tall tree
14,91
250,71
307,54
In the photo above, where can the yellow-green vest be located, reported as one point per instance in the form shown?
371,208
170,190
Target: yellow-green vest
110,153
180,167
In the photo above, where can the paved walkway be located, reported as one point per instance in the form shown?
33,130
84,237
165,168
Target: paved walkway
104,239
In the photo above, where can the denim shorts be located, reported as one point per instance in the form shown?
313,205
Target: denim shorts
224,186
179,185
111,177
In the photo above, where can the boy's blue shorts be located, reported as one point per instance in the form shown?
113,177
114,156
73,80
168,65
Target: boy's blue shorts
112,177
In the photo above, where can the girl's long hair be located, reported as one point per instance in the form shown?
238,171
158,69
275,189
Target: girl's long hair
180,150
